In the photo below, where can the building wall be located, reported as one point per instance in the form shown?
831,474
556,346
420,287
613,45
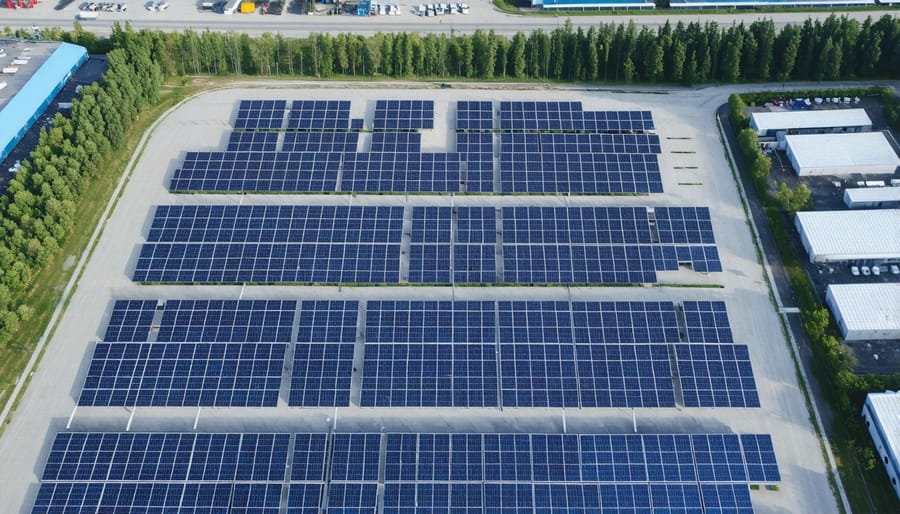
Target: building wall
879,439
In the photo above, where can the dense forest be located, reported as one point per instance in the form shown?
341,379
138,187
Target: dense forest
679,53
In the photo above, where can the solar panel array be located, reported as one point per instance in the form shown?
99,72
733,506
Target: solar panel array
404,114
546,147
252,141
467,472
322,115
579,163
531,116
235,244
544,354
205,353
308,171
260,114
323,355
339,244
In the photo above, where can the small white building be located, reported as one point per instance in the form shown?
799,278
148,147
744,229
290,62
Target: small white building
864,236
882,416
872,197
864,153
769,124
866,312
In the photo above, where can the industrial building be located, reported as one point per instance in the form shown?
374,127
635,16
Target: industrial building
866,312
872,197
865,153
882,415
770,124
33,73
863,237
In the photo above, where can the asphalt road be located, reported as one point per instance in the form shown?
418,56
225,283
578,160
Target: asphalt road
184,13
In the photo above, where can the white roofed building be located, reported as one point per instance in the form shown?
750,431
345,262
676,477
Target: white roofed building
864,236
866,312
810,122
882,415
864,153
872,197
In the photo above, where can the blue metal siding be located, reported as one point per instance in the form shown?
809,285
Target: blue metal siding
30,102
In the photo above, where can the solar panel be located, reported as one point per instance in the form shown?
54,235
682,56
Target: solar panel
716,375
239,244
184,375
326,142
252,141
474,115
434,473
260,114
759,455
352,498
304,498
719,458
260,171
130,321
252,321
162,457
531,116
320,115
355,457
624,322
613,375
726,498
323,355
404,114
707,322
308,462
401,171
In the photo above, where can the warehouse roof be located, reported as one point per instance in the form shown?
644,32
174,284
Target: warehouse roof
872,194
885,407
44,77
862,234
840,150
868,307
784,120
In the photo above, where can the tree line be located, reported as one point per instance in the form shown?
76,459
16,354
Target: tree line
680,53
38,209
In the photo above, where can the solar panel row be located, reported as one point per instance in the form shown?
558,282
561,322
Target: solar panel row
409,457
568,116
416,354
175,472
404,114
361,244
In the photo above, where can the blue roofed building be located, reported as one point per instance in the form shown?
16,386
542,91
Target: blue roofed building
33,73
581,5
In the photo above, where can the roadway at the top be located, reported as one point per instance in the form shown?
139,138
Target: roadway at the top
185,14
